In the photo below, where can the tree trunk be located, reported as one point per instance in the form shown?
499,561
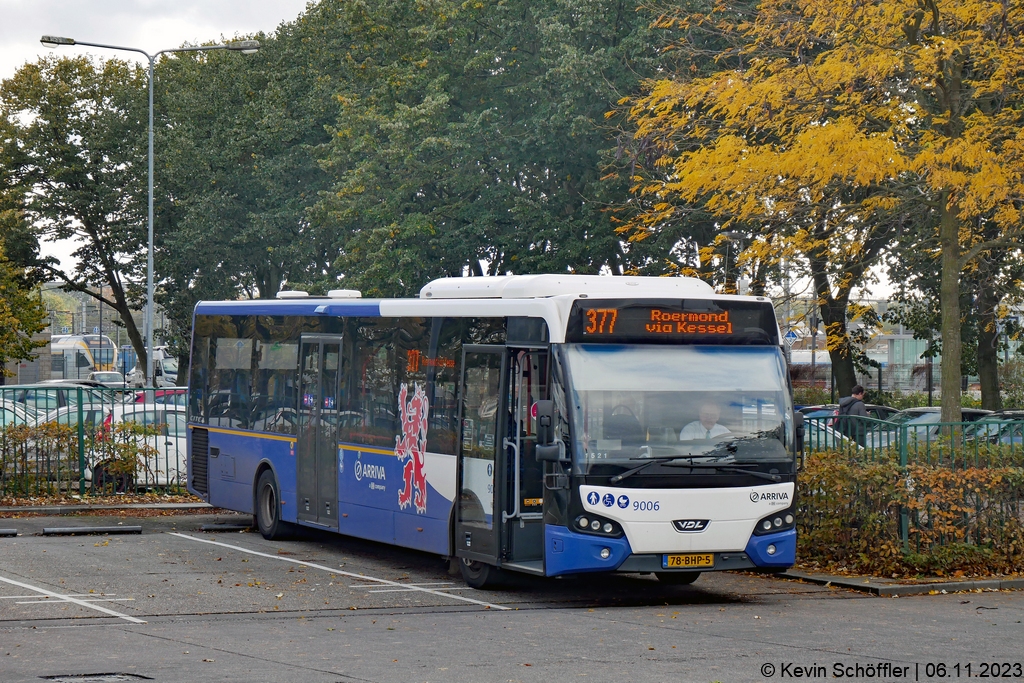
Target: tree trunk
988,349
949,296
833,315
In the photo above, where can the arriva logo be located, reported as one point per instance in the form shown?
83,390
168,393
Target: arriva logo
756,497
369,471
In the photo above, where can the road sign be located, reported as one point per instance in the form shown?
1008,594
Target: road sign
791,337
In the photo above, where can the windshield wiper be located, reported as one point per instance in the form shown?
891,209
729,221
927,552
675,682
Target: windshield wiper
649,461
744,470
691,464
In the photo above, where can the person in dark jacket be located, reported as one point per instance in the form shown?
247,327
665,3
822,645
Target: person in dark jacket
851,408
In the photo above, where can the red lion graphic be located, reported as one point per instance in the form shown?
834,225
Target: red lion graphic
412,446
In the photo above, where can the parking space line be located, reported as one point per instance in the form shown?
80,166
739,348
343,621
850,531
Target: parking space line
404,590
46,599
67,595
362,577
76,601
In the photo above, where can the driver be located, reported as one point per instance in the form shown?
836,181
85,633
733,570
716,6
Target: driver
707,426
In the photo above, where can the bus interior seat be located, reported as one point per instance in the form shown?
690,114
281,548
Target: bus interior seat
624,427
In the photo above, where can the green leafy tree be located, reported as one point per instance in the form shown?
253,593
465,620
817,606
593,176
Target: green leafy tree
21,314
74,158
239,170
471,137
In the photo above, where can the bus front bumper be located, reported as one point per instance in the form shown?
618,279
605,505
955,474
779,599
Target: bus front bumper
569,552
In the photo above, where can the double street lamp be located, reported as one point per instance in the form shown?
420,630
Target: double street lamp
246,47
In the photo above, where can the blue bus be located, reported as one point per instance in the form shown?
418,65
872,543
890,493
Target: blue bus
545,424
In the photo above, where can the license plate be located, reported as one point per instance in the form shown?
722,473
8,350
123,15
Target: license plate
688,561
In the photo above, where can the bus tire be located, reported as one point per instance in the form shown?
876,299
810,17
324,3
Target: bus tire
677,578
478,574
268,508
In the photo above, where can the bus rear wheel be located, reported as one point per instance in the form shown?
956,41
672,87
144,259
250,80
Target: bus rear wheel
478,574
677,578
268,508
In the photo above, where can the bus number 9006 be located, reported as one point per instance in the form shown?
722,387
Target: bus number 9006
647,505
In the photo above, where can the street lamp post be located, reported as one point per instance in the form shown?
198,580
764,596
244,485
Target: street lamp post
732,236
245,47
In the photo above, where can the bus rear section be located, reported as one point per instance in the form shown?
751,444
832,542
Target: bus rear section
551,426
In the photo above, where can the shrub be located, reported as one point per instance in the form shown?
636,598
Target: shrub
38,460
964,516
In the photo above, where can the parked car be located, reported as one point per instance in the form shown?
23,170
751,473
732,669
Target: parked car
92,415
1002,426
874,410
164,465
13,413
820,436
165,370
922,423
177,396
46,396
109,379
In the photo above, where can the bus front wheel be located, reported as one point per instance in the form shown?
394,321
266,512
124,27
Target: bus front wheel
677,578
478,574
268,508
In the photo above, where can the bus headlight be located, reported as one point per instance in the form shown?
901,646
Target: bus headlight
606,553
783,520
598,525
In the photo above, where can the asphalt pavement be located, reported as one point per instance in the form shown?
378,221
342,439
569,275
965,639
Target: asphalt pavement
175,603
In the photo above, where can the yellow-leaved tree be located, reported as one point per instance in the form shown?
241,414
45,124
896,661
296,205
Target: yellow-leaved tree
833,122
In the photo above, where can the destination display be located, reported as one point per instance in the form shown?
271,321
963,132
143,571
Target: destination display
707,321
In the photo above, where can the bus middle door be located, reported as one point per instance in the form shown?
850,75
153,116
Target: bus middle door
317,446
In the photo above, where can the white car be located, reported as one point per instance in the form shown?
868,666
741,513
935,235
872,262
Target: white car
819,436
163,465
13,413
109,379
165,370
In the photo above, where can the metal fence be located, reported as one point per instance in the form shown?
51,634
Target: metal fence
65,439
938,488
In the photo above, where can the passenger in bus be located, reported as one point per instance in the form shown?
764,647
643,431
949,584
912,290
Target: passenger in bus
707,426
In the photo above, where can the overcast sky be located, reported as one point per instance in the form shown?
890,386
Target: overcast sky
149,25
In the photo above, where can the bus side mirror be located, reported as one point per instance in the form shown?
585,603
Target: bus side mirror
548,449
798,424
545,423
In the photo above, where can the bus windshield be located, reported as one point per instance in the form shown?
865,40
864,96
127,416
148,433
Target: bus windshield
706,403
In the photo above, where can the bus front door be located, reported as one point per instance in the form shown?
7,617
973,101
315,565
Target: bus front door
499,519
317,447
522,514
